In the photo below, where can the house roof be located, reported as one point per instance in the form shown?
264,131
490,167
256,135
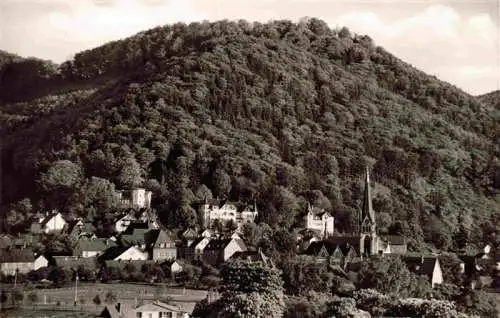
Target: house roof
109,312
113,252
190,233
423,265
17,256
156,237
253,256
331,246
158,306
135,236
394,239
49,217
95,245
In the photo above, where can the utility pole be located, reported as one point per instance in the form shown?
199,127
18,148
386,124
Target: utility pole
76,288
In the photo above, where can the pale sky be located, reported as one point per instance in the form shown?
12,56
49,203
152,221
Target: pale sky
456,40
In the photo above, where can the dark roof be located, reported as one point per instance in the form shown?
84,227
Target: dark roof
253,256
219,244
344,246
135,236
17,256
48,218
109,312
113,252
156,237
190,234
423,265
94,245
394,239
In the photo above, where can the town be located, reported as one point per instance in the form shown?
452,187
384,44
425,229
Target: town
141,249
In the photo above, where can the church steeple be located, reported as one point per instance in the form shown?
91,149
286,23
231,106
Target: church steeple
367,218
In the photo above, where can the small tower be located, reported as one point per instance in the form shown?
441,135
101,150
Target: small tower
367,225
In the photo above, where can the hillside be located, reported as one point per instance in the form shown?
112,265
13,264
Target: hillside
492,98
279,112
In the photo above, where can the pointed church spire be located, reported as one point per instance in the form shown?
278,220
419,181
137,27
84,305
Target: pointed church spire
367,211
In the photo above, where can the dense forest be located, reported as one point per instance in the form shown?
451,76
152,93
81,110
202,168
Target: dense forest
283,113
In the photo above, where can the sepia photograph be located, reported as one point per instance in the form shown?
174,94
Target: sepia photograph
249,158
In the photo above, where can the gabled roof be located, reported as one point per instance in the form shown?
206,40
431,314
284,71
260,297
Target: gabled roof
17,256
156,237
134,236
113,252
394,239
253,256
158,306
421,265
334,245
109,312
50,217
217,244
190,233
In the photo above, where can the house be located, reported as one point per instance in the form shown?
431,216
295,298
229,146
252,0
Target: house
195,250
189,236
174,266
333,251
161,245
40,262
93,247
425,265
52,222
16,260
394,244
123,222
123,253
135,235
207,233
253,256
78,228
137,198
155,309
319,220
220,250
226,212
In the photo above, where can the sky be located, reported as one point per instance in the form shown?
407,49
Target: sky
455,40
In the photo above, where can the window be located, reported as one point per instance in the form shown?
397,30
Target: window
166,315
139,315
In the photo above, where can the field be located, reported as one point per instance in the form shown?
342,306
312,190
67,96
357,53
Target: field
57,299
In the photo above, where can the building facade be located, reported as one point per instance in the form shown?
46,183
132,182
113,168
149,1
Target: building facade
226,212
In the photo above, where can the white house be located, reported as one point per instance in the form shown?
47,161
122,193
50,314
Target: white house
53,222
137,198
156,309
319,220
226,212
40,262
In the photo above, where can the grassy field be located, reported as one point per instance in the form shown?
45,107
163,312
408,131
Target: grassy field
132,294
47,314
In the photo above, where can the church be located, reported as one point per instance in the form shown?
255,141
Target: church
365,242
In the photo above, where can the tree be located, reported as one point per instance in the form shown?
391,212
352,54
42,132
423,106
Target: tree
96,300
33,298
250,290
387,275
131,174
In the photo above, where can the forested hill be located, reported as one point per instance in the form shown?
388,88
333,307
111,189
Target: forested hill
279,112
492,98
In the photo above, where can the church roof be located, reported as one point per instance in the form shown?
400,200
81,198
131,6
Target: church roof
367,211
